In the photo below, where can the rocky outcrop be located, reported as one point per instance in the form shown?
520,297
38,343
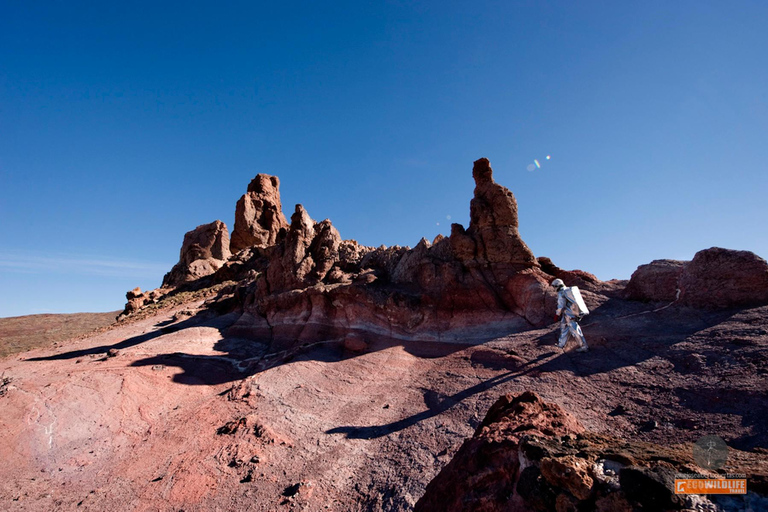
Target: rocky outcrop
580,278
476,283
302,282
724,278
204,250
656,281
138,299
529,455
716,278
306,256
259,215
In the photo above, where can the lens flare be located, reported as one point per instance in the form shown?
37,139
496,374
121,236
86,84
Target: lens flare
537,163
531,167
548,157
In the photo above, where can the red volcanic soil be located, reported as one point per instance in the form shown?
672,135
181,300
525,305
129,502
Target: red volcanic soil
168,413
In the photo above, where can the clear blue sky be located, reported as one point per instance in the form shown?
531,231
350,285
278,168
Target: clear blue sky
125,124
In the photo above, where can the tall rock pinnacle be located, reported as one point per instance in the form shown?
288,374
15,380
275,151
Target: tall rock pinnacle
493,221
258,215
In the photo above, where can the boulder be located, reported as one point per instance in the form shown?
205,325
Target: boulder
724,278
259,215
204,250
655,281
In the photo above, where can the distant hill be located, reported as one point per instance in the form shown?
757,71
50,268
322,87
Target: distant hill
22,333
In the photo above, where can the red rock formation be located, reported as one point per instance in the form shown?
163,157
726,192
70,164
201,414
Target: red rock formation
258,215
493,222
724,278
306,256
480,281
138,299
529,455
301,282
656,281
580,278
715,279
204,251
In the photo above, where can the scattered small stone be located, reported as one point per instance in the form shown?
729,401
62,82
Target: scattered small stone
649,426
247,478
158,367
386,406
255,459
113,352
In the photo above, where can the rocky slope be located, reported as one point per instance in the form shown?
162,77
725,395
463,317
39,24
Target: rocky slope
529,455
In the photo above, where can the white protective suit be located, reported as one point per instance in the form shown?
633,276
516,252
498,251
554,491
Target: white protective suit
568,312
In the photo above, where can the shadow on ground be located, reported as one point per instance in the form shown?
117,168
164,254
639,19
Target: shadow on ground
620,334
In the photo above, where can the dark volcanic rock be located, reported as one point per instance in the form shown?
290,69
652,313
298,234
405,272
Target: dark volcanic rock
724,278
204,250
656,281
258,215
531,455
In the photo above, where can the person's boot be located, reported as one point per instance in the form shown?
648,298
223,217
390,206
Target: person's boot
583,348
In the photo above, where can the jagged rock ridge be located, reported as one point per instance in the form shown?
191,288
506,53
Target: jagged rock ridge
301,282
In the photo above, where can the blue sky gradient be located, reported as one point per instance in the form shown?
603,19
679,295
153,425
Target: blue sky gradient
124,125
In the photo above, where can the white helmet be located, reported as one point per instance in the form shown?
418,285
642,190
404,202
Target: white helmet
558,284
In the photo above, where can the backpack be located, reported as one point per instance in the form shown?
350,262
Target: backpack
573,295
